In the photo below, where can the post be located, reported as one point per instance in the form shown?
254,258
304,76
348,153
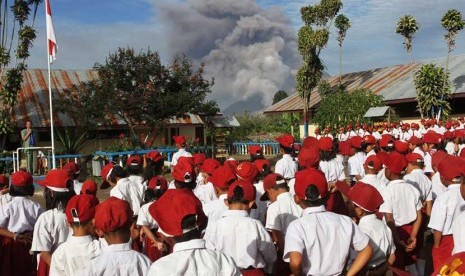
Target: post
51,108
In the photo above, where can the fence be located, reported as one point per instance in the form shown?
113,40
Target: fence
269,148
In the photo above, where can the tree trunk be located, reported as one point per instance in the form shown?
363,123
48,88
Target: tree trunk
340,65
444,81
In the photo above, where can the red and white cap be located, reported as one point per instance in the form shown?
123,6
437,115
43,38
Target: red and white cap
249,190
363,195
134,160
104,174
155,156
285,141
261,163
184,170
210,165
72,167
158,183
255,150
269,182
223,177
57,180
179,140
305,178
373,162
247,171
89,187
81,208
20,179
414,158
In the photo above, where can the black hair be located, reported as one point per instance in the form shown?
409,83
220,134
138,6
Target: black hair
82,223
117,172
152,195
238,196
254,157
22,191
124,231
133,169
312,196
287,150
57,200
441,146
262,174
281,186
328,155
183,185
189,222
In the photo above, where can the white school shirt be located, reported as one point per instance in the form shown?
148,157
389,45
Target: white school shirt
127,190
355,164
373,180
377,135
282,212
402,200
214,209
380,239
77,186
50,231
291,185
450,148
19,215
405,136
243,238
419,180
417,134
141,184
333,170
324,239
341,137
4,199
144,218
73,256
446,209
119,259
286,166
437,188
350,134
259,213
205,193
181,152
428,163
361,132
458,233
192,258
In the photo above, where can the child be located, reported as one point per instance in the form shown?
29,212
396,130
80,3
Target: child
125,189
153,165
248,172
204,189
51,228
416,177
286,166
17,220
372,168
256,153
89,187
134,169
370,143
4,190
181,145
241,237
318,243
179,217
437,188
113,221
73,256
365,201
356,161
74,171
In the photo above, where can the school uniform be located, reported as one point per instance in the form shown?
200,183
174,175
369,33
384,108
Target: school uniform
244,239
73,256
282,212
377,135
145,219
333,170
181,152
437,188
355,164
350,134
193,258
127,190
119,259
259,213
445,210
214,209
140,183
323,256
374,181
341,137
361,132
458,234
17,216
205,192
419,180
4,199
417,133
405,136
450,148
77,186
286,166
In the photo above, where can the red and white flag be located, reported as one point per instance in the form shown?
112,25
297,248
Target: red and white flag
51,40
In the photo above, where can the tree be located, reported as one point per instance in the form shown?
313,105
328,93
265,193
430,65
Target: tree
312,38
452,22
350,107
16,37
430,96
279,96
407,26
342,24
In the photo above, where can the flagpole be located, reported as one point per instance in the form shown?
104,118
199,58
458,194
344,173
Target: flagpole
51,106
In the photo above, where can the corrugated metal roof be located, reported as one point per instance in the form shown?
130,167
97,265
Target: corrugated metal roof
225,121
393,83
376,111
188,119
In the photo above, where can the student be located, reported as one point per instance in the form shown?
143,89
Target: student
190,255
429,146
437,188
255,152
416,177
181,146
365,201
134,170
281,212
89,187
73,256
204,189
113,221
248,172
74,170
318,243
446,209
153,165
372,168
51,228
4,190
124,188
402,212
413,143
241,237
329,163
286,166
370,144
17,220
356,161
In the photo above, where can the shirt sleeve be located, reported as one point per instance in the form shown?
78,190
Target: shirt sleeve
293,241
279,168
266,245
352,168
359,239
41,239
438,215
4,215
57,265
386,207
342,173
272,221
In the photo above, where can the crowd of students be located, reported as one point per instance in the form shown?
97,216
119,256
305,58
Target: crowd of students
312,215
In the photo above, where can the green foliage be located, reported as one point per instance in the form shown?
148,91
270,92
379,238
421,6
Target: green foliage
407,26
342,23
341,107
452,22
279,96
71,139
430,95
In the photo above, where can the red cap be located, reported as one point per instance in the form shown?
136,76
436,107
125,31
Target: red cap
453,265
20,179
210,165
431,137
451,167
414,140
179,140
449,135
81,208
305,178
395,162
297,148
414,158
4,180
222,177
373,162
104,174
89,187
199,158
247,171
285,141
255,150
462,154
249,191
369,139
170,210
56,180
232,163
113,214
309,157
261,163
437,157
184,170
155,156
356,142
72,168
365,196
326,144
401,146
134,160
310,142
269,182
158,183
459,133
386,140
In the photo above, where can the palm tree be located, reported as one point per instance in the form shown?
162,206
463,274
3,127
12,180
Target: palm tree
342,24
407,26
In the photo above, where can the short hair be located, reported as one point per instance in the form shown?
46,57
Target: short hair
312,196
59,200
238,196
22,191
287,150
117,172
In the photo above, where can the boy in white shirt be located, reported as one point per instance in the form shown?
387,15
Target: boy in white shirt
181,145
372,167
286,166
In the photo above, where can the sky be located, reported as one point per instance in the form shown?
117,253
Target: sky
249,46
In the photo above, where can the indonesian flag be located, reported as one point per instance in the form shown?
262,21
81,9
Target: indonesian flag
51,40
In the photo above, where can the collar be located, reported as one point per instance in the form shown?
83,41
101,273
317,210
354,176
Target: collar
417,171
283,196
368,218
81,239
311,210
188,245
287,155
453,186
398,181
236,213
223,197
369,176
182,150
118,247
123,180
